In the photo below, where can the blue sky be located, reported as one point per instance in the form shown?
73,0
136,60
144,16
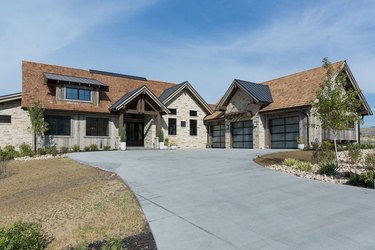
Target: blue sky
207,42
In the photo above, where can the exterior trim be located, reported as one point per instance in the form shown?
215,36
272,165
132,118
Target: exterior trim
10,97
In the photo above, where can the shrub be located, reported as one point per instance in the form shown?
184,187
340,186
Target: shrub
354,153
76,148
86,148
304,166
320,156
315,144
107,148
366,146
300,139
289,162
161,135
41,151
26,150
113,244
327,168
52,150
370,161
327,145
368,178
64,150
9,153
23,235
94,147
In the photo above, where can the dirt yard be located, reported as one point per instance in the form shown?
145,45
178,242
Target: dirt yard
277,158
76,204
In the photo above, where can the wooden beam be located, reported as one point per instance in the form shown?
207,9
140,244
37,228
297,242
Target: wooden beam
158,124
142,103
132,111
121,120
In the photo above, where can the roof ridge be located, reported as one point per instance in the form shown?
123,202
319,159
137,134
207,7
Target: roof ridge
301,72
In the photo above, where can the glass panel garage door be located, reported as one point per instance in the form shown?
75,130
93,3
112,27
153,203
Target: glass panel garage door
242,134
284,132
218,135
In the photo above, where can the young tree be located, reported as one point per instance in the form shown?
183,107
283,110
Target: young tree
336,105
38,125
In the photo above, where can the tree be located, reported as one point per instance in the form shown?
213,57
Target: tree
336,104
38,125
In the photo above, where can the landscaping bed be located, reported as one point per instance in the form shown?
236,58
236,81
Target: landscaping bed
355,166
76,205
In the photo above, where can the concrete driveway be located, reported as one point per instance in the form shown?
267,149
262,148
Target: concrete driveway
221,199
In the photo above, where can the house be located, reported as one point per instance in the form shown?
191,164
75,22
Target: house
84,107
272,114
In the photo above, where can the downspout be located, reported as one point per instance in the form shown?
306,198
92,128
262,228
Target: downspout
308,127
359,132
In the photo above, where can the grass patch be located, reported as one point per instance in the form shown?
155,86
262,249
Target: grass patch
278,158
74,203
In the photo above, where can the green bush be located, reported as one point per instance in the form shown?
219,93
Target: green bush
320,156
107,148
113,244
52,150
354,153
76,148
326,145
366,146
304,166
289,162
41,151
9,153
315,144
26,150
64,150
365,179
86,148
23,236
370,161
94,147
327,168
161,135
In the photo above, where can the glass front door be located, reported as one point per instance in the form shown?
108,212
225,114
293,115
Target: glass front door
134,134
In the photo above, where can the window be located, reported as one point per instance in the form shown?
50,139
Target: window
173,111
193,127
5,119
172,126
183,124
193,113
78,94
58,125
351,124
97,126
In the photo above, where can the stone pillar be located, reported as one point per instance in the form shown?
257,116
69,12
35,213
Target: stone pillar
228,136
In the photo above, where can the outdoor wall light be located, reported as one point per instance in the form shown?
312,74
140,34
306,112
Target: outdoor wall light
255,123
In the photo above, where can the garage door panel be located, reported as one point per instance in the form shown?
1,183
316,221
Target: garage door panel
277,129
218,135
284,132
292,128
242,134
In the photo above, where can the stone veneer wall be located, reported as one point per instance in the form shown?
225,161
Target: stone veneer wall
150,132
17,132
183,103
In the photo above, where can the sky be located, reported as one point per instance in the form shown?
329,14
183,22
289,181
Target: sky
208,43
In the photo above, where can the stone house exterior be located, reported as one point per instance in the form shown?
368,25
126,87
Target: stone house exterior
84,107
272,114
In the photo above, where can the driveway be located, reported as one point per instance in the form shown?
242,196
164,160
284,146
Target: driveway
221,199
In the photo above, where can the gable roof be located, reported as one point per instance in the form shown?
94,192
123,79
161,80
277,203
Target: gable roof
10,97
127,98
34,87
73,79
170,93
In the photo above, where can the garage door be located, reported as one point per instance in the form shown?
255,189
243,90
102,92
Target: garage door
218,135
242,134
284,132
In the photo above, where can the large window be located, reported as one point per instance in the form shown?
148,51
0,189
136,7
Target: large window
58,125
78,94
193,127
97,126
172,126
5,119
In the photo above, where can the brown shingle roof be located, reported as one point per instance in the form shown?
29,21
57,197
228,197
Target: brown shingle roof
34,87
298,89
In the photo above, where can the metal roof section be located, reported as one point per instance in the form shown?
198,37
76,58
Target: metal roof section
130,96
170,93
73,79
93,71
260,92
10,97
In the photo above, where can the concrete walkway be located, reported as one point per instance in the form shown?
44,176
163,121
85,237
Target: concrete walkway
221,199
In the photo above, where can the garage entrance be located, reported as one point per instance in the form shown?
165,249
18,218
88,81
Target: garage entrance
284,132
242,134
218,135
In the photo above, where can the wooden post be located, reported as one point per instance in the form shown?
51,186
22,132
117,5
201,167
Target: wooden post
158,124
121,120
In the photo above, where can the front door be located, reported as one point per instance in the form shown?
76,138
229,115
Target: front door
134,134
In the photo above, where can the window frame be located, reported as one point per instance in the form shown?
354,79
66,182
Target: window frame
97,128
78,94
183,124
5,121
170,132
67,117
191,131
173,111
193,113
